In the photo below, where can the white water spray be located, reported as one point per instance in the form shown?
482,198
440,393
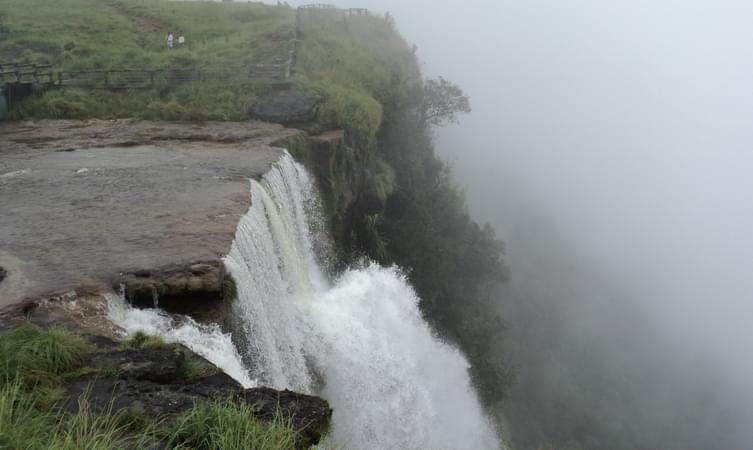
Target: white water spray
360,343
206,340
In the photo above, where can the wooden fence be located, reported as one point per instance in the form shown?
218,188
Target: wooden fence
15,73
323,8
143,79
25,73
137,79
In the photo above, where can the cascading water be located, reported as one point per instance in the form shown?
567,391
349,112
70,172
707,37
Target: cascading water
207,341
361,342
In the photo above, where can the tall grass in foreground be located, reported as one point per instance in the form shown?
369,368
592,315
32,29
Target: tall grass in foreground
33,354
223,425
23,424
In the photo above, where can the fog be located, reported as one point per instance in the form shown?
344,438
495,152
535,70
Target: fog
610,146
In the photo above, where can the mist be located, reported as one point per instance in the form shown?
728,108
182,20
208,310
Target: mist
610,147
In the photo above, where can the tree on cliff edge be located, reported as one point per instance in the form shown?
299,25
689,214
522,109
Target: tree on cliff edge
443,101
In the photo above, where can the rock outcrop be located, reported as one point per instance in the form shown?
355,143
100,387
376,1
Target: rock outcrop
152,382
288,107
190,289
158,382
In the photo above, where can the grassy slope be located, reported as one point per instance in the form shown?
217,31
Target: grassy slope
130,34
111,34
353,62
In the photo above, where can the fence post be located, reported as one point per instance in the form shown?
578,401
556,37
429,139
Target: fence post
107,78
151,77
60,78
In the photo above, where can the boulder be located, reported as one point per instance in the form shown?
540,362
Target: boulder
287,107
3,274
177,288
310,416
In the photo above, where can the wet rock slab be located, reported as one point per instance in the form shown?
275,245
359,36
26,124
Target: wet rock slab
83,202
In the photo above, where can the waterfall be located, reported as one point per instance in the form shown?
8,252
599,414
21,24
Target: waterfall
360,341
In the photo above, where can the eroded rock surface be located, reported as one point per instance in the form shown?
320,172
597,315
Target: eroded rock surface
289,107
153,382
173,283
83,202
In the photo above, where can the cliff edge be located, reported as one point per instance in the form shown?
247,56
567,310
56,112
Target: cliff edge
85,203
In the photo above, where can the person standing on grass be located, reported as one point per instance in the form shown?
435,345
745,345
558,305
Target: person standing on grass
169,40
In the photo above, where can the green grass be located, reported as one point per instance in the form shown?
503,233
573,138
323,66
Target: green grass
25,424
141,340
38,355
229,288
360,64
192,369
84,35
223,425
108,34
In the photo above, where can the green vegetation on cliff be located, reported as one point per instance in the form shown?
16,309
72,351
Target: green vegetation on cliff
396,202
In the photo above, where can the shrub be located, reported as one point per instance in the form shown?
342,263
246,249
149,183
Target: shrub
192,368
358,113
141,340
229,288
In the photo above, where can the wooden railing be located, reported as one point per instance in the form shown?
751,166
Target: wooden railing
318,6
14,73
25,73
325,8
142,79
137,79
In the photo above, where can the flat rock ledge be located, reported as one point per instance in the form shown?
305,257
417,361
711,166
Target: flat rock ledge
85,201
287,107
